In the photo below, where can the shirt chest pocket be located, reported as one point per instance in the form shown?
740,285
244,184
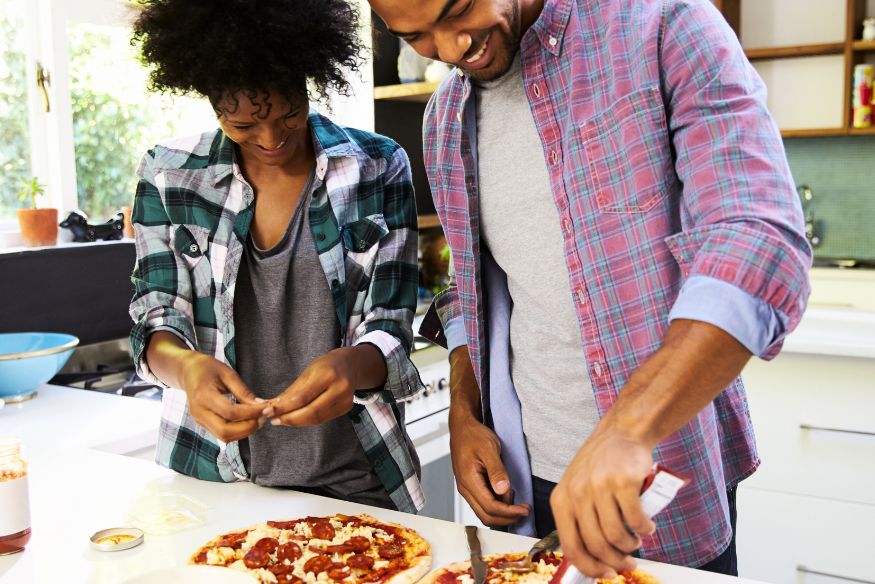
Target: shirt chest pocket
627,154
192,246
363,235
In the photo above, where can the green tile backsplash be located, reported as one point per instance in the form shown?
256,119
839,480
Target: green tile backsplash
841,174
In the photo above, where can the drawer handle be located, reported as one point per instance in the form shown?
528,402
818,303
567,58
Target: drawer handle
840,430
804,570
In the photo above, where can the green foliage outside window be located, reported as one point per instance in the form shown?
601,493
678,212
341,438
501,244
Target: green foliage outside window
14,133
115,119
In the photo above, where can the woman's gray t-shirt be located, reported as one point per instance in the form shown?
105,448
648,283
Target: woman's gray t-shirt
285,318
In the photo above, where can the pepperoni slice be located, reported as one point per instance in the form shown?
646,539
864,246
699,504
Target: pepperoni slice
280,569
360,561
232,540
268,544
339,549
391,551
318,564
358,543
283,524
288,551
201,558
256,558
323,530
338,571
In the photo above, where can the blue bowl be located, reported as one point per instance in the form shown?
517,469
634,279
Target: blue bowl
28,360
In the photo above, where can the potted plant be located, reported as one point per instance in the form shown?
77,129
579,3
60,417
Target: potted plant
38,226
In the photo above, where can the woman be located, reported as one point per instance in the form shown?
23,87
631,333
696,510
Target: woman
276,274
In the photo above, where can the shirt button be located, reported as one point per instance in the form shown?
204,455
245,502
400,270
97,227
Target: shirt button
597,369
320,236
459,116
460,73
536,90
566,225
335,283
554,156
552,41
581,297
193,248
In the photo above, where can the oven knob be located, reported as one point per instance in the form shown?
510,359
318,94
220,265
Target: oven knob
429,389
443,384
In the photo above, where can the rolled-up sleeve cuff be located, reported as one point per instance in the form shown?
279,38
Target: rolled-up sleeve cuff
159,320
751,321
402,377
454,331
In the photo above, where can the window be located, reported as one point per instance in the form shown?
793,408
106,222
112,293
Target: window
102,117
15,152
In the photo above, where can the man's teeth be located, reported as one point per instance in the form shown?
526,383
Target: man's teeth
480,53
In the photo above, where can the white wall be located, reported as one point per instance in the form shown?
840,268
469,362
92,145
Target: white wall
357,110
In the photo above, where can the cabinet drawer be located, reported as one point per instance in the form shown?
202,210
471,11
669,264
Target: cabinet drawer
814,419
781,535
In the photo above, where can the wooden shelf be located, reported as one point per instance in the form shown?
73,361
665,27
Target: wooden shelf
418,92
828,132
428,221
796,51
814,133
864,46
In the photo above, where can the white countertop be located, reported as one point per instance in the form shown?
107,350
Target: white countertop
85,476
827,331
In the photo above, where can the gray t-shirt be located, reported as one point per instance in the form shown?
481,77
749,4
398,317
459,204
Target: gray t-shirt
284,317
520,227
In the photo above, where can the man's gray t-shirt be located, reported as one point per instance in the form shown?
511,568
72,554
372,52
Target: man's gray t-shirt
285,318
520,227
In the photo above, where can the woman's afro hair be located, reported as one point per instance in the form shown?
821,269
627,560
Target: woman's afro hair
212,47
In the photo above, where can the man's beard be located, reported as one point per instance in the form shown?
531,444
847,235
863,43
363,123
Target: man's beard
509,44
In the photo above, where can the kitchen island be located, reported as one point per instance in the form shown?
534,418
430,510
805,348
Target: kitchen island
87,473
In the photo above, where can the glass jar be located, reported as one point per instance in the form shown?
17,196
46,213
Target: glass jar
14,502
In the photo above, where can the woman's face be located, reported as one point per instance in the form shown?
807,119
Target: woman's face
267,127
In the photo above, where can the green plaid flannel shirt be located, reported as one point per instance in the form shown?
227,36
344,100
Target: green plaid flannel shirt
191,216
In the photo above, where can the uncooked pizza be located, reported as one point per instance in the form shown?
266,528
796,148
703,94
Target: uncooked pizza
340,549
543,571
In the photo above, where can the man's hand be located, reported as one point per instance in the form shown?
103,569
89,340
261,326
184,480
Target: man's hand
596,504
480,475
325,389
206,383
598,496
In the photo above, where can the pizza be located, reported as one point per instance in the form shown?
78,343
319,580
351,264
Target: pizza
546,566
340,549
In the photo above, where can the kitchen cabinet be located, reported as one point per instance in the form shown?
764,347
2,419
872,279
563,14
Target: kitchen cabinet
805,51
803,517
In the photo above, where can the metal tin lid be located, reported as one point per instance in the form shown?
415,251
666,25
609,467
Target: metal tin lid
116,539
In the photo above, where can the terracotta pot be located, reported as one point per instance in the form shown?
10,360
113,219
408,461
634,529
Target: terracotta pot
38,226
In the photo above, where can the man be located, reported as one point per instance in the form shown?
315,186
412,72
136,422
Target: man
625,236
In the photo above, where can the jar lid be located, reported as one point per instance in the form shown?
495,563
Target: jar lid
117,539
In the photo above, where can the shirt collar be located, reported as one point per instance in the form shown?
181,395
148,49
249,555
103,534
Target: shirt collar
329,141
551,24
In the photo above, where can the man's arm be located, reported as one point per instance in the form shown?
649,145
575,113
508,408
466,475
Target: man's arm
476,450
598,494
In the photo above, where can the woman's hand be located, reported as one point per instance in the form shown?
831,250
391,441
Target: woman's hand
325,389
207,383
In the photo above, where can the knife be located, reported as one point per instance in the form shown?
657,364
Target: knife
478,566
